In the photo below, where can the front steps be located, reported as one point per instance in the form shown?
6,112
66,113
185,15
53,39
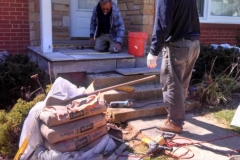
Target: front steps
148,96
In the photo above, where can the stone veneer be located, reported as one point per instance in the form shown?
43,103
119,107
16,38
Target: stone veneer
60,20
137,16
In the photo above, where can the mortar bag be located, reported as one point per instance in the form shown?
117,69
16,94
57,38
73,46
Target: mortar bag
72,129
80,108
77,142
100,145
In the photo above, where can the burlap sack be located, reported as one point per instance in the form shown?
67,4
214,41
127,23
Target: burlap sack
77,142
72,129
80,108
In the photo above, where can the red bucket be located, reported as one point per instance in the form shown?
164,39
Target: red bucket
137,43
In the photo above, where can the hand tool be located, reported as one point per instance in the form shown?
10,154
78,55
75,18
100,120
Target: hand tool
121,104
114,87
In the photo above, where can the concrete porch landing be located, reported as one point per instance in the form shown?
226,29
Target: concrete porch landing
66,60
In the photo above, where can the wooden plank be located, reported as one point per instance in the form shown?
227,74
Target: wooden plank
236,118
142,70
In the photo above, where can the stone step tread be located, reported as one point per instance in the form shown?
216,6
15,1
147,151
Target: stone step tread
140,70
151,108
138,88
110,79
140,93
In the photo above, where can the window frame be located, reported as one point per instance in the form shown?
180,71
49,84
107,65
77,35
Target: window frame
208,18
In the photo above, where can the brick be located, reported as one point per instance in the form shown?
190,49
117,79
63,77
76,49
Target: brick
10,34
11,42
4,21
23,34
16,38
15,5
16,13
5,26
15,26
17,30
25,10
23,17
23,26
21,1
23,42
4,13
9,1
4,38
4,4
8,9
9,17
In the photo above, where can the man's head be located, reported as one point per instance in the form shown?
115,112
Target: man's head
106,5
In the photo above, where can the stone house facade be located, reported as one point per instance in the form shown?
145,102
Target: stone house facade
20,23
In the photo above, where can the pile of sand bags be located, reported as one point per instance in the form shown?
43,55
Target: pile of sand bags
69,128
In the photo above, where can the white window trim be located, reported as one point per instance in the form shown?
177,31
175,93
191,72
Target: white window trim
208,18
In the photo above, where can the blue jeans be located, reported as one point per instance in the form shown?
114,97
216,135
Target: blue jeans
178,60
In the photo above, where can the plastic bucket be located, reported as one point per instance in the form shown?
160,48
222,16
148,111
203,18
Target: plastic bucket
137,43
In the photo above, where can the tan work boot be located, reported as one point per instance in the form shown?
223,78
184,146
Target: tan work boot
169,127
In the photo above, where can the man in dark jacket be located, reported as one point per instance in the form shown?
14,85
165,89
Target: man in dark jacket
108,22
176,35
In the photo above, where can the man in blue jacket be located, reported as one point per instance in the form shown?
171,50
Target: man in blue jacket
176,35
108,24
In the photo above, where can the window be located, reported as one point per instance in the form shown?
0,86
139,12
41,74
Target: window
219,11
200,5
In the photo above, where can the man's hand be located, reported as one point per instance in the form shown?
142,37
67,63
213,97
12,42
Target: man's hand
151,61
91,40
118,47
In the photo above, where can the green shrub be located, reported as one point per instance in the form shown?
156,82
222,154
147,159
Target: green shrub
11,124
15,73
207,55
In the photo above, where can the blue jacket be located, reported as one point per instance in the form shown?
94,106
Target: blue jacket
174,20
117,27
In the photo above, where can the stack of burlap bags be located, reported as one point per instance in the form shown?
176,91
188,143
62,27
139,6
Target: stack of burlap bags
69,128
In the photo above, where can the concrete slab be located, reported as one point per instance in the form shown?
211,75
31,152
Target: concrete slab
211,142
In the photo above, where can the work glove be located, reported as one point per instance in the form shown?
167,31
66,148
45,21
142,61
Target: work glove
151,61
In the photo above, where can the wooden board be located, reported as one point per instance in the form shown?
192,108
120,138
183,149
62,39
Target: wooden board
142,70
236,118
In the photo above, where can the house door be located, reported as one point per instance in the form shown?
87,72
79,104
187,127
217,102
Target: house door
81,12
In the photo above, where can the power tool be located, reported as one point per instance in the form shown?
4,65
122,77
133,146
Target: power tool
158,142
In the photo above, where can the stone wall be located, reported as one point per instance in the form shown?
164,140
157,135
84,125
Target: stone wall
138,16
60,20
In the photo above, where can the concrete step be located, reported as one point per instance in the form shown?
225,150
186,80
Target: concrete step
142,92
104,80
144,109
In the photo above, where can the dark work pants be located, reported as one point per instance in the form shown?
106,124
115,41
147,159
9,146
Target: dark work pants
178,59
